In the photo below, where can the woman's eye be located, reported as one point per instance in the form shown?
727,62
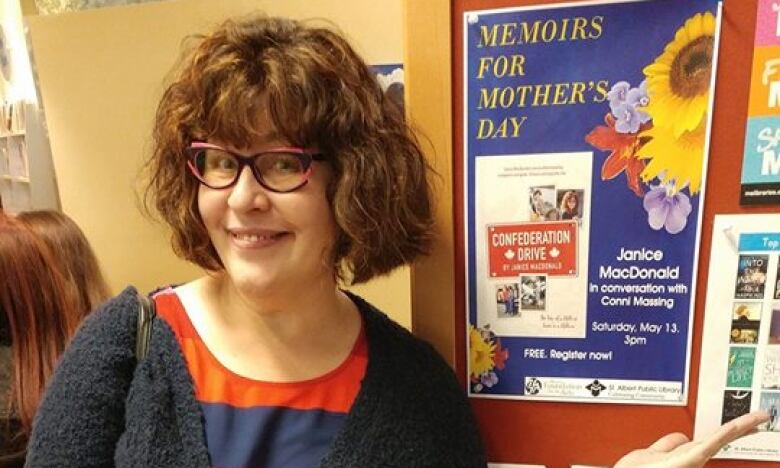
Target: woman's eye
285,164
226,163
221,162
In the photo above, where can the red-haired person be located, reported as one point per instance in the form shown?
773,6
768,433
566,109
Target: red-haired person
74,256
38,316
284,172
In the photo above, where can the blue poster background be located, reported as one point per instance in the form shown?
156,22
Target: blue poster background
634,34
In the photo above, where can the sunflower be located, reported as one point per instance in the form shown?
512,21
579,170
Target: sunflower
679,79
480,353
678,85
677,160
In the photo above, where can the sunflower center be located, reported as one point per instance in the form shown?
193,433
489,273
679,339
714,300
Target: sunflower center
690,73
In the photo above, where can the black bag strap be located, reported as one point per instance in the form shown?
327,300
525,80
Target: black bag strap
146,314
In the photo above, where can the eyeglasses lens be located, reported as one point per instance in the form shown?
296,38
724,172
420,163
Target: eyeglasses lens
216,168
280,171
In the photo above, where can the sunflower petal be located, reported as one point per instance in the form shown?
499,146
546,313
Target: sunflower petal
709,23
694,26
657,68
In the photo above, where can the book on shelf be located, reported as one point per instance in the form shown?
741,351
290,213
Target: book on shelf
17,159
12,118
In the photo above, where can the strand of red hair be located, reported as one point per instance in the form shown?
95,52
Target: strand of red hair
40,312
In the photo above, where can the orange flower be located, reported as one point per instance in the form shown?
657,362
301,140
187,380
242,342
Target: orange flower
623,148
500,356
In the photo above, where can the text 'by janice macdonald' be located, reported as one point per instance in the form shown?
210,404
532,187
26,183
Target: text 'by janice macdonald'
503,65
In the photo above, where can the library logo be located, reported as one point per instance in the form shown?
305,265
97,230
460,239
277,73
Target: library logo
533,386
595,388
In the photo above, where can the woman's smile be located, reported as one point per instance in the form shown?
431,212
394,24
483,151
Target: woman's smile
248,238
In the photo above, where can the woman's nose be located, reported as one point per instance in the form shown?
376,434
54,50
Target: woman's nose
247,194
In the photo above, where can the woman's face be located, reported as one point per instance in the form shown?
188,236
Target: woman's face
571,203
271,242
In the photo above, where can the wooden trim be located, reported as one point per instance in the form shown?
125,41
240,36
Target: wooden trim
427,73
29,8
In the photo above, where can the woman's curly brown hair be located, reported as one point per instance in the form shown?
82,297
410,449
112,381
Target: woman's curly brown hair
319,93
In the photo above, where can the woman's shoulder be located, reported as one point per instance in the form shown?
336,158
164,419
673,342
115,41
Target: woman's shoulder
115,313
112,326
395,347
378,325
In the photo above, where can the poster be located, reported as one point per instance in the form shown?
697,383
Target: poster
740,369
761,160
585,134
391,79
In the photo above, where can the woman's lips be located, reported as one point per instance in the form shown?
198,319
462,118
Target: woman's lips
252,239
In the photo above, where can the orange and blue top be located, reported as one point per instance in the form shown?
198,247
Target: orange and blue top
252,423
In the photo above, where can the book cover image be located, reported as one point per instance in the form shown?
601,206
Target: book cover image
770,379
770,402
777,282
735,404
741,364
751,276
774,324
745,322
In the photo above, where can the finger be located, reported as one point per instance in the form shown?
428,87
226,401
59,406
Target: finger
731,431
669,442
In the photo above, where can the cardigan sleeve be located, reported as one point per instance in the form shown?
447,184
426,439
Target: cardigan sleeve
81,416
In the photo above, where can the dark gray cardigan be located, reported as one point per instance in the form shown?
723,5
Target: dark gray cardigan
100,410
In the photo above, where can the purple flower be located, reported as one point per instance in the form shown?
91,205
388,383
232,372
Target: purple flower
638,98
488,379
627,118
667,208
617,95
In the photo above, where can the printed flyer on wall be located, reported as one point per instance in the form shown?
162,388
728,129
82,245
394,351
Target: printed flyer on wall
585,134
761,161
740,369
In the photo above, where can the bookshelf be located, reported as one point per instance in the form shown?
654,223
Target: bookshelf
15,187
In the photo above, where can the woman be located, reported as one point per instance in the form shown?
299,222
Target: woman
283,171
74,255
38,315
570,205
265,361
